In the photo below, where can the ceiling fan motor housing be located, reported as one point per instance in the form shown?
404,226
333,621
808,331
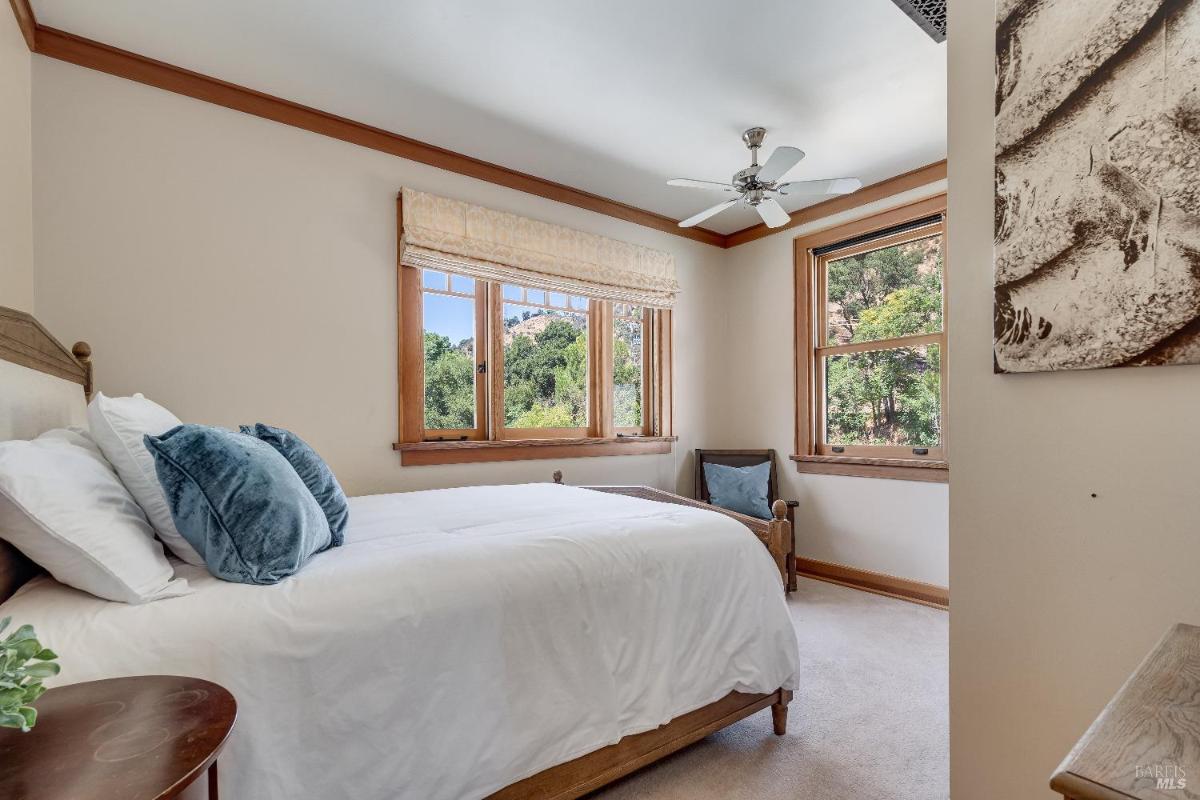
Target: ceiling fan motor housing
744,179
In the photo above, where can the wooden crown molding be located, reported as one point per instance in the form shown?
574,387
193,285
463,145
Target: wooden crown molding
913,179
95,55
26,21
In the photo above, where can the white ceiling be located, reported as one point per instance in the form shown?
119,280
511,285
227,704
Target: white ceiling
612,97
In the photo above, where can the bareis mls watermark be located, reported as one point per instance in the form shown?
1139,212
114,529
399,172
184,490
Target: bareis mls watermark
1164,776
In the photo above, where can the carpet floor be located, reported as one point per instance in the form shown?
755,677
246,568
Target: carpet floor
869,719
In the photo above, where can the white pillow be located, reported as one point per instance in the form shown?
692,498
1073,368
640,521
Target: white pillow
118,425
62,505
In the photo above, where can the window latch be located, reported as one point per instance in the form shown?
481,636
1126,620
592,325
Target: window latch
838,449
920,451
481,367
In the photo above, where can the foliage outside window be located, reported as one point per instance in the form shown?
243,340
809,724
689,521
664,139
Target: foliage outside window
629,366
503,361
545,360
876,346
889,396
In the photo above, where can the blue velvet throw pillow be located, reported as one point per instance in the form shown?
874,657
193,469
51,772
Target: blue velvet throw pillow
313,470
238,502
741,489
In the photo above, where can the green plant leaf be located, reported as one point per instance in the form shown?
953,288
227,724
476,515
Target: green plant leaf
30,715
13,720
44,669
4,623
12,697
46,654
27,649
33,691
21,634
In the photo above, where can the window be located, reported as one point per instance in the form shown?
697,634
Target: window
630,365
510,371
871,349
545,337
451,310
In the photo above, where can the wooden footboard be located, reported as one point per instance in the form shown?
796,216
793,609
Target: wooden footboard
775,534
587,773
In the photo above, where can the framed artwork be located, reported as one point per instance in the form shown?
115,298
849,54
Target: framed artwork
1097,237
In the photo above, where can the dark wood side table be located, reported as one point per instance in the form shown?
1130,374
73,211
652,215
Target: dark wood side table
142,738
1145,745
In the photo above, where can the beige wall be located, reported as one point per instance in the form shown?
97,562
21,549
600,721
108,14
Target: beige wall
16,168
895,527
240,270
1057,594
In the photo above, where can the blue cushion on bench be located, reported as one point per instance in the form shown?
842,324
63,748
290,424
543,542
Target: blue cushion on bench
741,489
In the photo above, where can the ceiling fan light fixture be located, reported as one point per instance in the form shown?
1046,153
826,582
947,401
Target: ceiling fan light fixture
757,185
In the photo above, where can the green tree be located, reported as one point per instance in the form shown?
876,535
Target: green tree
627,379
449,384
886,396
545,378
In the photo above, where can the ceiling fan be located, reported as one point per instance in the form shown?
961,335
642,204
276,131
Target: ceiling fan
757,185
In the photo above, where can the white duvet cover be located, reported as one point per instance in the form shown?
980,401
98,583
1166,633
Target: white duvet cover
461,639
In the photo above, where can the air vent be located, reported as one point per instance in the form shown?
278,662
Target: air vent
930,16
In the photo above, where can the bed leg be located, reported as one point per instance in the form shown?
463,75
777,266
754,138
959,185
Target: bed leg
779,711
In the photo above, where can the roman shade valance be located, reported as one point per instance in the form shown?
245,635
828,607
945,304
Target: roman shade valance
444,234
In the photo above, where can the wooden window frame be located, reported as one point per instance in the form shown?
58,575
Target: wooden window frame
481,299
496,345
812,454
492,440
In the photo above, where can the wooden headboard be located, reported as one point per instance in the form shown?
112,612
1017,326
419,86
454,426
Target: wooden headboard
24,342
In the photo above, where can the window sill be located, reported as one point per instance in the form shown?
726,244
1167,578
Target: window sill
902,469
417,454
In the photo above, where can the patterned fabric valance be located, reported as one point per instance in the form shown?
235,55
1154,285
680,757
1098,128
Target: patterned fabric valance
444,234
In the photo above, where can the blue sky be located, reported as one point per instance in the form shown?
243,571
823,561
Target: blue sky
450,316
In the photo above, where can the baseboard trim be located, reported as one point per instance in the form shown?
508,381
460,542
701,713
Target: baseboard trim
926,594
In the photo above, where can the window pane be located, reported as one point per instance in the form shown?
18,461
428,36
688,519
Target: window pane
535,296
580,303
513,292
462,284
884,397
545,367
557,299
627,367
885,293
432,279
449,362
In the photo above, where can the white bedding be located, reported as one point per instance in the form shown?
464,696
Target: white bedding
461,640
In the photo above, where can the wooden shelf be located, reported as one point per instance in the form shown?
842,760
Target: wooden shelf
1143,746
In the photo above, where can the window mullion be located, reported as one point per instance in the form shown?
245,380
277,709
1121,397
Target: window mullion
600,379
495,368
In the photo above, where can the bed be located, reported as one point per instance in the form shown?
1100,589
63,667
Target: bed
534,641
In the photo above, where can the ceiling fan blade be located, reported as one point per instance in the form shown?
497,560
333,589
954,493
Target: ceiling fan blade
772,213
830,186
691,184
783,159
708,212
